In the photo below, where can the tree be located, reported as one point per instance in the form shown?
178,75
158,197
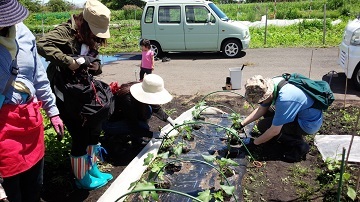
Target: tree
59,5
116,4
31,5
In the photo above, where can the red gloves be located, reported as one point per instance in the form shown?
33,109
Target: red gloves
58,126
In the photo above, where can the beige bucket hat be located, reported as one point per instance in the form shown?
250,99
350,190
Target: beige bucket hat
258,89
98,17
151,90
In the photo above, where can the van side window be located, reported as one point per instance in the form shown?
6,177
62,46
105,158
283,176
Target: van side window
197,14
169,14
149,15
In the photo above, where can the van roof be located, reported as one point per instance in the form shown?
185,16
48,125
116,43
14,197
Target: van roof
176,1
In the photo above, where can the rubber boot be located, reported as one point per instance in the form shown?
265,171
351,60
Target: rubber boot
80,166
94,151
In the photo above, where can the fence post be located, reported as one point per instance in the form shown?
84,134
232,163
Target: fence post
324,25
266,14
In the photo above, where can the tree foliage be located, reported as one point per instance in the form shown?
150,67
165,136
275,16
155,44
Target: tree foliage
59,5
31,5
116,4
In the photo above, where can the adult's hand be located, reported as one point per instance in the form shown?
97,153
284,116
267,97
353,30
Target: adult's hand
58,126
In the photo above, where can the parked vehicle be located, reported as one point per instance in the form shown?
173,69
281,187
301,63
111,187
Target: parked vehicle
192,25
349,55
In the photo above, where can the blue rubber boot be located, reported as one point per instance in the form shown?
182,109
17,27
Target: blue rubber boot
80,166
94,151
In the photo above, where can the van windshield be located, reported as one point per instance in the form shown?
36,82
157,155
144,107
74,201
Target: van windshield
218,12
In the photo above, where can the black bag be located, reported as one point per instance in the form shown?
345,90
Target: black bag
90,100
319,91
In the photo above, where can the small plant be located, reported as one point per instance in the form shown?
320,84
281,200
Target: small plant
196,113
329,180
236,120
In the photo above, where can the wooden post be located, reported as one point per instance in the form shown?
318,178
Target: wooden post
352,138
266,25
324,26
312,53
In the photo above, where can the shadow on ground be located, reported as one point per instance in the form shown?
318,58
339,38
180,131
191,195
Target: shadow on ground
338,83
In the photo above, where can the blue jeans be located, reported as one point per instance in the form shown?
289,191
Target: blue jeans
25,186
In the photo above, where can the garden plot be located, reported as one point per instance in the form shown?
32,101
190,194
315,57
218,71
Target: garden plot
201,159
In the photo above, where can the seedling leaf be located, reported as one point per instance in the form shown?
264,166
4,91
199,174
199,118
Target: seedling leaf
351,193
148,159
208,158
204,196
229,190
229,162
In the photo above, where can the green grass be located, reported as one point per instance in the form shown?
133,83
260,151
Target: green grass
125,30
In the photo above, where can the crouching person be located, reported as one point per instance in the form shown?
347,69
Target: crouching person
288,115
135,103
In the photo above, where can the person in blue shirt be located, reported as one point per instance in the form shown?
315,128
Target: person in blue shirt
287,115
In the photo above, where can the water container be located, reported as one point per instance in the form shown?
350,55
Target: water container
235,75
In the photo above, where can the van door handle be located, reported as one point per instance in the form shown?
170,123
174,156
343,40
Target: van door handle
190,28
161,28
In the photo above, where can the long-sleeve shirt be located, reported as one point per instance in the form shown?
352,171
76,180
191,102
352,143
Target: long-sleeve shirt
31,73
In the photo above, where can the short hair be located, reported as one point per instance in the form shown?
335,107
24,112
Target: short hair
145,42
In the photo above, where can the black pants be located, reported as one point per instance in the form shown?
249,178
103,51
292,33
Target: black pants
81,135
143,71
26,186
289,131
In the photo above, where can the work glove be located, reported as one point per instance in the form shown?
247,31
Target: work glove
249,143
58,126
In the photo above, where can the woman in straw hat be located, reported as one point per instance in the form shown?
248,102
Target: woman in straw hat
135,103
288,115
24,89
67,47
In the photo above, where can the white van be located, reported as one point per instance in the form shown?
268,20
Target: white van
349,55
192,25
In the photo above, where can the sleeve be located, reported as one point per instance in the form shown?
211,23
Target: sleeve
50,46
286,112
31,69
159,112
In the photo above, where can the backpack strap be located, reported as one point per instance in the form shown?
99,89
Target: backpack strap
279,86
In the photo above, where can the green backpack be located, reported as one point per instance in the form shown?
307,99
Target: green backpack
319,91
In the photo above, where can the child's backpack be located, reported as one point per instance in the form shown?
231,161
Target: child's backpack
319,91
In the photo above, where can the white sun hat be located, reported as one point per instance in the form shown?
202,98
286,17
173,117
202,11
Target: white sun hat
151,90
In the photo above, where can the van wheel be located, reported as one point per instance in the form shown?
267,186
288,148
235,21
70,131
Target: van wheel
155,46
356,78
231,49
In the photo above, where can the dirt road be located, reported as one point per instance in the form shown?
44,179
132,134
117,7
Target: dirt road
202,73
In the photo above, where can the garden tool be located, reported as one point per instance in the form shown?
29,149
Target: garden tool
95,151
80,166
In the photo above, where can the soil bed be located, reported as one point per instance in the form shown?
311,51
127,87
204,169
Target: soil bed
274,181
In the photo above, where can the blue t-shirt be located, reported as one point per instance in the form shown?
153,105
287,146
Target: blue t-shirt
293,102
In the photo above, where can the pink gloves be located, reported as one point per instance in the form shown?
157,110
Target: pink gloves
58,126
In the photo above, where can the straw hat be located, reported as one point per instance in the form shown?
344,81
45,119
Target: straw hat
151,90
11,13
258,89
5,63
98,17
